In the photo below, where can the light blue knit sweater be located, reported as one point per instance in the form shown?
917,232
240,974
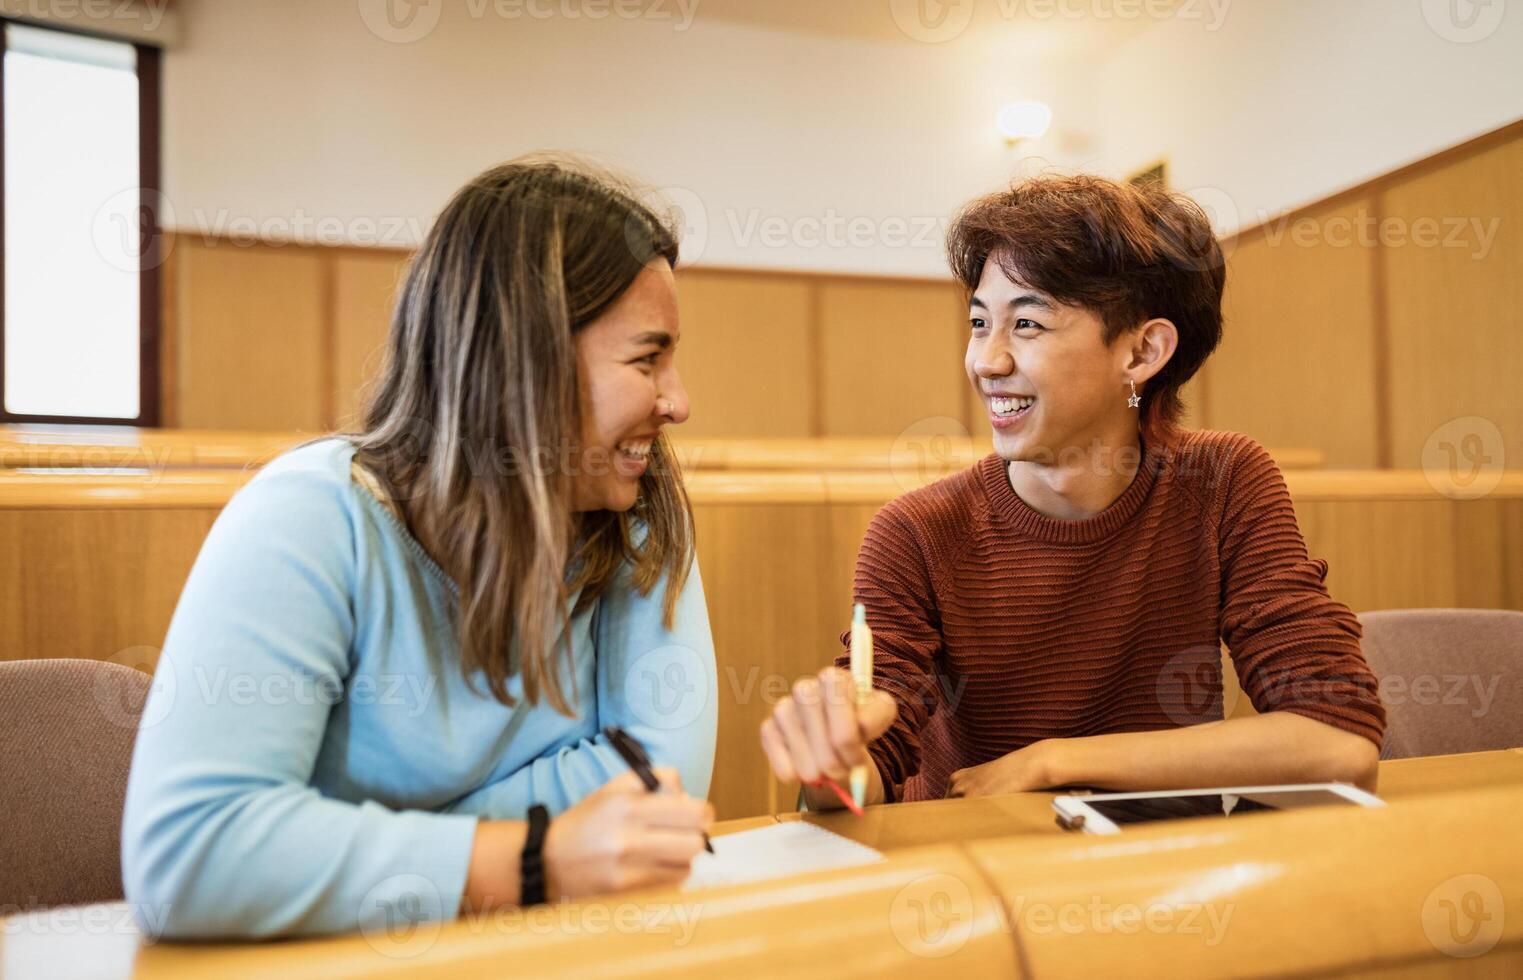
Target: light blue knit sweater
311,758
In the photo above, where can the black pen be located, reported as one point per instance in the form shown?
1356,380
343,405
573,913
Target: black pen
633,753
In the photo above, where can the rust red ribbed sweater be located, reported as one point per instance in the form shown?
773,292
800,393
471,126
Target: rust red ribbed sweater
996,627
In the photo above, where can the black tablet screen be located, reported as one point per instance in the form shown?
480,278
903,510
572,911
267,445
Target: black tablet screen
1152,808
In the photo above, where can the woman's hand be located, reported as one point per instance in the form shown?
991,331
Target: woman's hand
623,837
819,731
1016,772
620,837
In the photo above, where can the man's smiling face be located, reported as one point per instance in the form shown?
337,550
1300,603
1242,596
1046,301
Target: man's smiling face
1048,379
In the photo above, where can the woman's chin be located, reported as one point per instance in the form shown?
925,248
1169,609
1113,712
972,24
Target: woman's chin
622,496
613,494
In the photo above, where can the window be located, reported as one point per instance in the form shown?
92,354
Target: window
79,291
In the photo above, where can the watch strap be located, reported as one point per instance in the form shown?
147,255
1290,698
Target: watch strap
532,866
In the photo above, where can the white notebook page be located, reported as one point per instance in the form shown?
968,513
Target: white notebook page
782,849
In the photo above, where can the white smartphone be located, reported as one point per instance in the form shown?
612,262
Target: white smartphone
1108,813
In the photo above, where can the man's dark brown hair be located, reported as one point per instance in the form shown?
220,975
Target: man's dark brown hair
1129,253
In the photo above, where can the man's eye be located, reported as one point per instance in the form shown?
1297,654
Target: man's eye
977,323
649,359
1025,324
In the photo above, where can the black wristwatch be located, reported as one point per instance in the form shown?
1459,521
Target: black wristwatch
532,867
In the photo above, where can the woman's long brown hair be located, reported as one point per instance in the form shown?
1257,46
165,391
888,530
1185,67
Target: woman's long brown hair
473,427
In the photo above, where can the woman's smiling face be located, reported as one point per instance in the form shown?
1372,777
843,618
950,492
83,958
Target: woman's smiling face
629,390
1048,379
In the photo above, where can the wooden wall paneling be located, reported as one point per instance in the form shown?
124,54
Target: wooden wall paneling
250,336
1488,550
365,285
97,584
169,321
848,526
745,353
1235,704
818,382
1194,396
1453,251
763,576
327,340
1296,366
1387,554
1380,311
1331,343
892,356
13,609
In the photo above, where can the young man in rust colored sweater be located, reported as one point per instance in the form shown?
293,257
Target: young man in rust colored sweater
1053,616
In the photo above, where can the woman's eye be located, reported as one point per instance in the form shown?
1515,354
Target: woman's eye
1025,324
649,360
977,323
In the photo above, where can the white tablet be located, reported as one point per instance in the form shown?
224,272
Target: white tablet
1108,813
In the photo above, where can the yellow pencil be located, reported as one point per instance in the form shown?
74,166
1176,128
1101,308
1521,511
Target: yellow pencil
862,676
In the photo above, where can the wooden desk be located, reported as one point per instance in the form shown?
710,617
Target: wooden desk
922,457
1020,814
1331,889
854,922
902,825
137,486
58,447
931,454
1415,888
722,827
136,489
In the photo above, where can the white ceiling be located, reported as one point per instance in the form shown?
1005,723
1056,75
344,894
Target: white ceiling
1067,27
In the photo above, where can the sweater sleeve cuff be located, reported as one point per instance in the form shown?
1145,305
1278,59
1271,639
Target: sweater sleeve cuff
1355,722
434,887
878,752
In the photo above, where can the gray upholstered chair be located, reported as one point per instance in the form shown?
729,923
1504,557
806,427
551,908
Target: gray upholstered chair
1452,679
66,733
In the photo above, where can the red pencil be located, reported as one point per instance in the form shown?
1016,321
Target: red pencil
851,804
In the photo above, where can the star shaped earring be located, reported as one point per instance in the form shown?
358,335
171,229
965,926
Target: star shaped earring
1134,401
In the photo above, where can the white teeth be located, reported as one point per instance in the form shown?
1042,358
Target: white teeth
639,449
1010,406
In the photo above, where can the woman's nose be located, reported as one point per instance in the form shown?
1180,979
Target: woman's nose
674,400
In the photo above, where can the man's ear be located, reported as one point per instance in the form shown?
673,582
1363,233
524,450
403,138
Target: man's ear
1149,348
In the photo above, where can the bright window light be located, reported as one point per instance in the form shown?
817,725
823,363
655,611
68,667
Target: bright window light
72,325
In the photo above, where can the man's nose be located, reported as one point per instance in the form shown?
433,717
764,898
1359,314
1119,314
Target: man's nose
994,360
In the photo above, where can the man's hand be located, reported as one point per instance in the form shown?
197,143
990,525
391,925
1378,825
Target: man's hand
1017,772
819,731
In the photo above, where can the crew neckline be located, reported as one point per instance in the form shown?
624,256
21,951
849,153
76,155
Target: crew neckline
1021,516
389,512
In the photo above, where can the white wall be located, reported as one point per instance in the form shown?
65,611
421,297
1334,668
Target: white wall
298,119
1290,101
284,112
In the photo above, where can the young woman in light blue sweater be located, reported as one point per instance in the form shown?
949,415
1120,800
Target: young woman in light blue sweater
397,646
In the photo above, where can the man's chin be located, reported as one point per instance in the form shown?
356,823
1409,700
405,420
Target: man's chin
1011,449
1023,449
